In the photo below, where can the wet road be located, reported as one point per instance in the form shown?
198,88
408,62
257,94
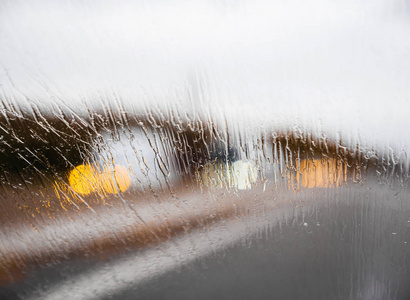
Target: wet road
335,243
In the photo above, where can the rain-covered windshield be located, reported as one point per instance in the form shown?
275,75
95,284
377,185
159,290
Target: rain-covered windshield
204,149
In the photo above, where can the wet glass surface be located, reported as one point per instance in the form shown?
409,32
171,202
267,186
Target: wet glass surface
213,150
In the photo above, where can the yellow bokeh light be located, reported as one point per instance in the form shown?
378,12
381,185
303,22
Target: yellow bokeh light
87,179
84,179
115,179
320,173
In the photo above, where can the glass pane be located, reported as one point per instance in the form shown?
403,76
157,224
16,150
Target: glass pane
214,150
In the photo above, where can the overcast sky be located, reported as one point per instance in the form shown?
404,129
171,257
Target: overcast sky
338,67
